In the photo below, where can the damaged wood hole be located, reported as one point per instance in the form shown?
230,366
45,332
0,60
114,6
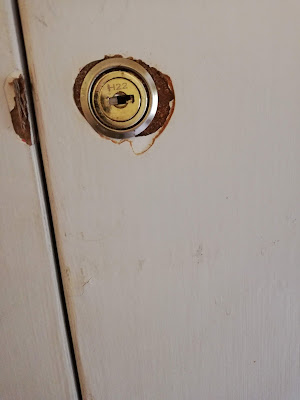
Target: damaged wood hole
166,103
15,91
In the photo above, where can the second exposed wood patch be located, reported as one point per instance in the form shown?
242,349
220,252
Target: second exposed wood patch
17,102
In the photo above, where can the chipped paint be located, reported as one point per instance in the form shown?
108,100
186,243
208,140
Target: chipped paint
15,92
166,104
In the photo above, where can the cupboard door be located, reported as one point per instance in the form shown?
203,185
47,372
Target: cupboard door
34,356
181,264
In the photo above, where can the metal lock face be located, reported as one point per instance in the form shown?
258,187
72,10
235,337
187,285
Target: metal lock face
119,98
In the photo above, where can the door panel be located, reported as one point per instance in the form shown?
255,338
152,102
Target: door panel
180,265
34,354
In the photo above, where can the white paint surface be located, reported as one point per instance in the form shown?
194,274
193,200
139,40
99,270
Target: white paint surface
34,355
181,266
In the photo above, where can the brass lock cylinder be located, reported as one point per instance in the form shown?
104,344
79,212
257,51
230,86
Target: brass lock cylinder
119,98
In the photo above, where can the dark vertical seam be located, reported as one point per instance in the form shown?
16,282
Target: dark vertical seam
24,60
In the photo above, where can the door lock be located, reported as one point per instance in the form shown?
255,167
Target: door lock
119,98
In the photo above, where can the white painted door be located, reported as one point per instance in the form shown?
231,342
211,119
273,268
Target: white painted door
35,362
180,265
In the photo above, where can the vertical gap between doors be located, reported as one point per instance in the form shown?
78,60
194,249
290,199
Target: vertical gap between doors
42,177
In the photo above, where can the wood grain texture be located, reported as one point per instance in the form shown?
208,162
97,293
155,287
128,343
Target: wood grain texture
34,355
181,266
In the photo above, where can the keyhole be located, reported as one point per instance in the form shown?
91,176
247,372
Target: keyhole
121,99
